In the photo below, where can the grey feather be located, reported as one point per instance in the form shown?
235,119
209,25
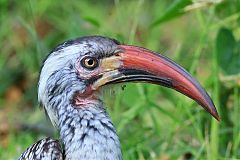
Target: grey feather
86,132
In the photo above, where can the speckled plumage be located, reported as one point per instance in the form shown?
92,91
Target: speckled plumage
89,134
86,132
45,149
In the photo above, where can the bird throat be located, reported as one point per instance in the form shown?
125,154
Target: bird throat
88,133
80,101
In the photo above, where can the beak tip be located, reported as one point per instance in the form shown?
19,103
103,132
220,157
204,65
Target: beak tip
215,114
210,107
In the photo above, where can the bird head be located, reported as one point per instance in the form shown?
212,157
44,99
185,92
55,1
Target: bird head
76,70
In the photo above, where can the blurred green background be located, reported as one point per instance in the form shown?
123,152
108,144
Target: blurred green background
153,122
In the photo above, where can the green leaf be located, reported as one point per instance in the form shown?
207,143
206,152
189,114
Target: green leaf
92,21
173,11
228,55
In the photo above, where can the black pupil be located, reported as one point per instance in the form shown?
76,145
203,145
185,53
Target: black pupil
90,62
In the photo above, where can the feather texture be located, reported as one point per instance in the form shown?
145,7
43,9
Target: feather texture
45,149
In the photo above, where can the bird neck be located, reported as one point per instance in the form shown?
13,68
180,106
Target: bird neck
88,133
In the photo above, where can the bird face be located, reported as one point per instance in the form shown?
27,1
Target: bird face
78,69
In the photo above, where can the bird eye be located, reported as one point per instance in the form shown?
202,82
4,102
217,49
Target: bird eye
89,62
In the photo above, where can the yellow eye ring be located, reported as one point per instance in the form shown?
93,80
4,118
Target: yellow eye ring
89,62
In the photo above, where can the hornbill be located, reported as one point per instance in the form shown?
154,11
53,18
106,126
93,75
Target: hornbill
69,89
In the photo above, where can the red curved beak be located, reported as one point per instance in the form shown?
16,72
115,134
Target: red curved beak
136,64
144,65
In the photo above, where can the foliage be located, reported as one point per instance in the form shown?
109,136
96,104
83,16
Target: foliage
152,122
